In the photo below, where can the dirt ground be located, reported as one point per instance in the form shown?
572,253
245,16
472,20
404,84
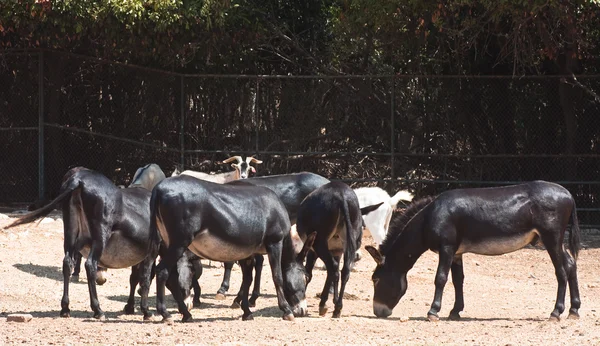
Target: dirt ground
507,302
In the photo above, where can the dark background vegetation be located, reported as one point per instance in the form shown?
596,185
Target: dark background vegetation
403,94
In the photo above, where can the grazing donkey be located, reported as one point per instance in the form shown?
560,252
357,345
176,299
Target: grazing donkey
485,221
224,222
332,213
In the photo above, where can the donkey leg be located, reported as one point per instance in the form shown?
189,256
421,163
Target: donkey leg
225,283
146,269
441,277
71,221
246,266
166,265
571,267
332,275
556,252
274,253
134,279
91,268
345,276
67,268
197,265
311,259
258,264
76,270
458,278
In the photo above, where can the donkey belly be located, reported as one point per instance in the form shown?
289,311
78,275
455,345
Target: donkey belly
119,252
214,248
498,245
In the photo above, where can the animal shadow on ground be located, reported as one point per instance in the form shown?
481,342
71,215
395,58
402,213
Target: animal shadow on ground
78,314
42,271
204,304
462,319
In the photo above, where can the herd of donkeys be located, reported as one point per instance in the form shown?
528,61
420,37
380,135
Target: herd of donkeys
294,219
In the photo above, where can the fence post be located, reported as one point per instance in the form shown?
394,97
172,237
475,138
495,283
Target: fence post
256,117
41,180
181,125
392,125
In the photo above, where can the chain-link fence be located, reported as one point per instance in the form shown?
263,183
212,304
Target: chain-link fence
424,133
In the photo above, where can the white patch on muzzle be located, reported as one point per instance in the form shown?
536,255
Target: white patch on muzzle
301,309
381,310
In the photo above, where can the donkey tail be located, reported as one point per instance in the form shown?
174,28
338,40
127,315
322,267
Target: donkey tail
66,190
351,243
574,234
154,215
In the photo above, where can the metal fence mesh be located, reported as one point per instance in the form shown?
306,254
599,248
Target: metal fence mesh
424,133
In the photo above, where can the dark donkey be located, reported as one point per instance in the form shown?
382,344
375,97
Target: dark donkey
291,190
332,213
108,225
485,221
226,223
146,177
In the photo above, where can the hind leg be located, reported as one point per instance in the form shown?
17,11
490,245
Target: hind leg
225,283
333,275
557,255
76,270
146,273
458,278
91,268
67,268
258,265
345,276
197,265
246,266
571,267
166,265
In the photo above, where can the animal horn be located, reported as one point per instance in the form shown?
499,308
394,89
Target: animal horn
238,158
251,159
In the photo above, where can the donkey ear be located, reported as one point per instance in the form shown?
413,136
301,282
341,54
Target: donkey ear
307,246
252,169
377,256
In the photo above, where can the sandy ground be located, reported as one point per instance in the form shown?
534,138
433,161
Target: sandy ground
508,300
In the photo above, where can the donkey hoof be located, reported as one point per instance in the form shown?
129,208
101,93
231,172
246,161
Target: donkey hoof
336,314
289,317
554,318
75,278
129,309
186,318
219,296
573,315
168,320
323,310
433,318
454,316
248,317
148,317
65,313
100,317
197,304
235,305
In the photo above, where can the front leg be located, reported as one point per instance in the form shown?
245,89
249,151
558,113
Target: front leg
441,277
274,254
258,264
134,279
458,278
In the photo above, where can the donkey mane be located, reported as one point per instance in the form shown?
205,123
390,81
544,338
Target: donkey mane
400,218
